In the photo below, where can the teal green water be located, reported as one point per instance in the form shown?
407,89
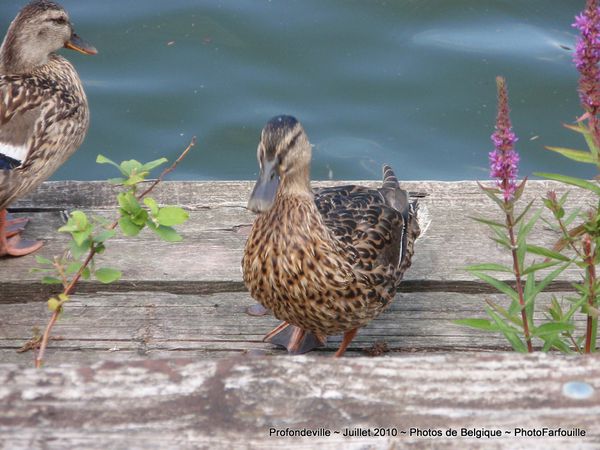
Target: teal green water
407,82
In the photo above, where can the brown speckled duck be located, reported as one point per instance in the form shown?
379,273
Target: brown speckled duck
328,261
44,112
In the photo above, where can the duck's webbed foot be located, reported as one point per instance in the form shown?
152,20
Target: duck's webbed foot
11,243
296,340
257,310
14,225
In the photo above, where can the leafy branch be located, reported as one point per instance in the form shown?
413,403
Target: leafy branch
89,235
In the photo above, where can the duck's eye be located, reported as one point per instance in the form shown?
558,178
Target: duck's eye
59,20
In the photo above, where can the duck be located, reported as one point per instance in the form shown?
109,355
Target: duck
325,261
44,114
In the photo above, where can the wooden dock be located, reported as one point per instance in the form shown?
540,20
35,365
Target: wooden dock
168,358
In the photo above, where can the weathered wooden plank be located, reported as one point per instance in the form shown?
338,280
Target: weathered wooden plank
158,325
209,258
234,403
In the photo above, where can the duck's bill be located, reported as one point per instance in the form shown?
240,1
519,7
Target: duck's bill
79,45
265,189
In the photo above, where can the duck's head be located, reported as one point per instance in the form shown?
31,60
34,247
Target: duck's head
41,28
283,154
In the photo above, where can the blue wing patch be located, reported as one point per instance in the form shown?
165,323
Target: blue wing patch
8,163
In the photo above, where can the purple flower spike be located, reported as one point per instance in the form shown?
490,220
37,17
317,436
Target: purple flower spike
587,56
504,160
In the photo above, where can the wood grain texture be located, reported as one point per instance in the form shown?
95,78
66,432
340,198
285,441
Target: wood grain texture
168,358
233,403
208,260
125,326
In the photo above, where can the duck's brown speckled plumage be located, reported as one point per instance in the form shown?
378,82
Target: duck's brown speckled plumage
44,113
47,111
329,261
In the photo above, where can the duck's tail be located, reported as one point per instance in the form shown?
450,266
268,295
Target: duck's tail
409,209
296,340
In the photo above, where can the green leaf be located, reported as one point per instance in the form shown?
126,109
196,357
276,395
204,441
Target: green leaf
522,215
172,215
128,227
547,253
508,332
73,267
140,217
53,304
520,189
480,324
81,237
107,275
500,285
78,221
152,205
135,178
79,250
506,314
118,180
552,328
561,346
528,296
521,251
128,203
101,159
590,310
104,235
150,166
539,266
491,223
85,274
526,229
130,167
548,279
572,181
165,233
492,195
43,261
490,267
51,280
575,155
502,242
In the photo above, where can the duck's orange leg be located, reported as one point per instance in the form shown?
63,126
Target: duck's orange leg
348,336
294,339
14,246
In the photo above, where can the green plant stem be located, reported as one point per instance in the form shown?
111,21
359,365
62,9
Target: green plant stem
517,271
595,127
68,290
570,336
568,238
590,332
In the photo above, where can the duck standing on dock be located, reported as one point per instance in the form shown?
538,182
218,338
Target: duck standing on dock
328,261
44,113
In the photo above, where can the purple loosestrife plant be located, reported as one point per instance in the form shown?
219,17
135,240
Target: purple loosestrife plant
581,241
587,60
516,321
504,160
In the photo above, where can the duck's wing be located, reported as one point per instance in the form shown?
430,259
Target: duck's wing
377,226
38,124
21,109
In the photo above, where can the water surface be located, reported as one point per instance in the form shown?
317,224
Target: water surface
407,82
